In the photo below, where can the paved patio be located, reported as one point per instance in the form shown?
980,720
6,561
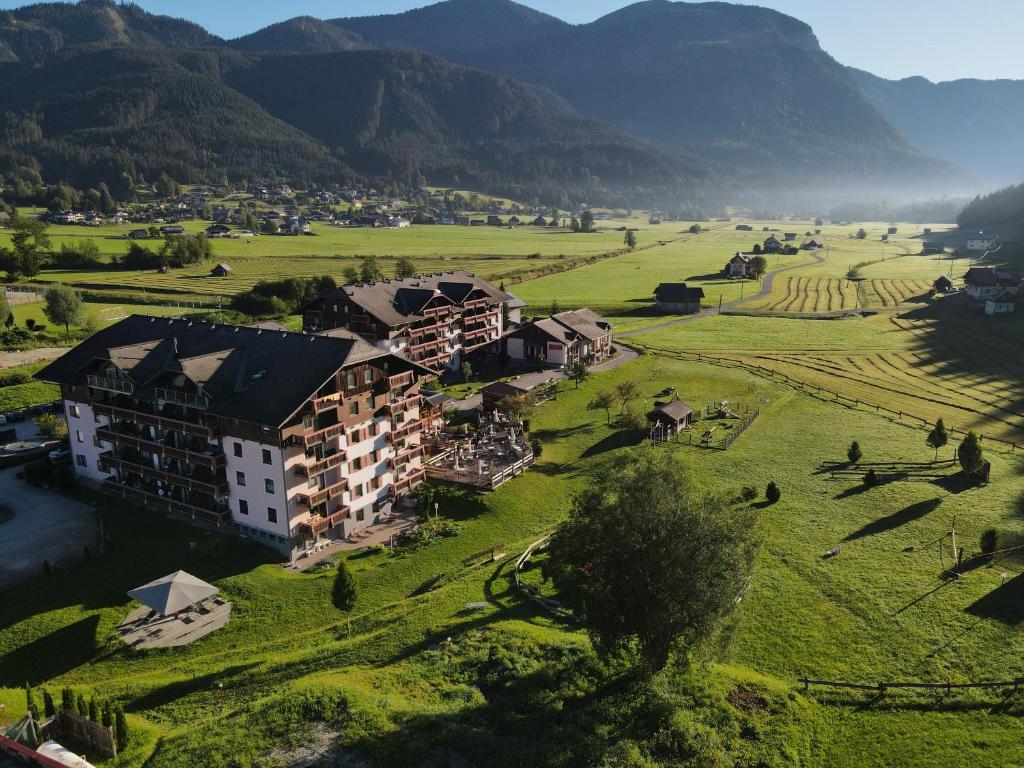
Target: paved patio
143,631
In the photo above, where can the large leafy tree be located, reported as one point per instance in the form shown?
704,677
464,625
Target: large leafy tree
63,306
650,560
30,244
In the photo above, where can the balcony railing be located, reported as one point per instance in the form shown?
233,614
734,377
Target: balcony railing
163,422
317,524
401,406
407,483
216,516
404,457
321,404
107,461
407,429
320,466
107,384
317,498
208,460
182,398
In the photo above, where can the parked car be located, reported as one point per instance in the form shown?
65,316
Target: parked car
59,455
15,415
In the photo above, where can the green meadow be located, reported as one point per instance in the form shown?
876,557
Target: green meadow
411,677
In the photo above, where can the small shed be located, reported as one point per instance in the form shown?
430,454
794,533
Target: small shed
221,270
673,415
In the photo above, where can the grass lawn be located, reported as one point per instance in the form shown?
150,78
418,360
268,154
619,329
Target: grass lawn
28,393
389,681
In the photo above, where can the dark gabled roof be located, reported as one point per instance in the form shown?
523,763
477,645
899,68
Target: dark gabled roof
675,410
249,374
677,293
399,302
584,322
992,277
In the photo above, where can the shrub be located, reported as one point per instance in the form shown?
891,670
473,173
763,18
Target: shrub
51,425
870,478
989,541
536,447
854,453
120,729
747,493
772,493
970,454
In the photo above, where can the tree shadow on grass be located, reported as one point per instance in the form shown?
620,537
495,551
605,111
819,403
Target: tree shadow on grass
897,519
622,438
168,694
51,655
957,483
1004,603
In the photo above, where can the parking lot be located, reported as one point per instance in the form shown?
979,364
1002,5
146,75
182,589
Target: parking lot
45,527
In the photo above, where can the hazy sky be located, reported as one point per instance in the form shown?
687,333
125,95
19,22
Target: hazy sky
940,39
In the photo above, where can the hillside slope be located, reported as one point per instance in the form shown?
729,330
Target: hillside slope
414,116
94,115
303,34
35,31
973,123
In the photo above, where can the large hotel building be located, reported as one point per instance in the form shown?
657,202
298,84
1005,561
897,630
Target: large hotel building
286,437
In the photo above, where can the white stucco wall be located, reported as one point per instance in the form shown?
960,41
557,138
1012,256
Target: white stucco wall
85,425
254,491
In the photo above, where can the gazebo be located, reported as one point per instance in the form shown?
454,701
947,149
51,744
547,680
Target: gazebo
173,593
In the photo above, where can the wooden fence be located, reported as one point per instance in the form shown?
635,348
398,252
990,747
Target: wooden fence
882,687
549,605
81,730
817,391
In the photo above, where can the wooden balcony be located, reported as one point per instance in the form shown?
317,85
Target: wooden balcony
163,422
321,404
410,428
334,491
407,483
318,524
321,466
216,516
404,457
404,379
210,461
108,462
401,406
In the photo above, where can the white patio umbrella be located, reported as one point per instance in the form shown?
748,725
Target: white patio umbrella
173,593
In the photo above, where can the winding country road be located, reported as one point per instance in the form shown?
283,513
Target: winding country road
766,288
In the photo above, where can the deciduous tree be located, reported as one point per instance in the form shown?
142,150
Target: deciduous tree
938,437
603,400
63,306
651,560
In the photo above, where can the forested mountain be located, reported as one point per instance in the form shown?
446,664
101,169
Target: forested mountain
303,34
457,28
1001,213
973,123
743,85
96,114
35,31
413,116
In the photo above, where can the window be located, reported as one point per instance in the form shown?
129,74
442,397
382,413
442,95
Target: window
240,478
307,421
268,485
368,375
74,411
81,461
369,402
271,514
238,450
266,456
361,514
357,491
78,436
350,380
353,408
243,507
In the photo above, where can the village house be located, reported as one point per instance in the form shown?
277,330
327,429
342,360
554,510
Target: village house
929,247
744,228
437,320
892,230
172,229
561,340
738,265
285,438
138,234
218,230
979,241
811,244
772,244
678,298
787,236
983,283
221,270
1003,304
